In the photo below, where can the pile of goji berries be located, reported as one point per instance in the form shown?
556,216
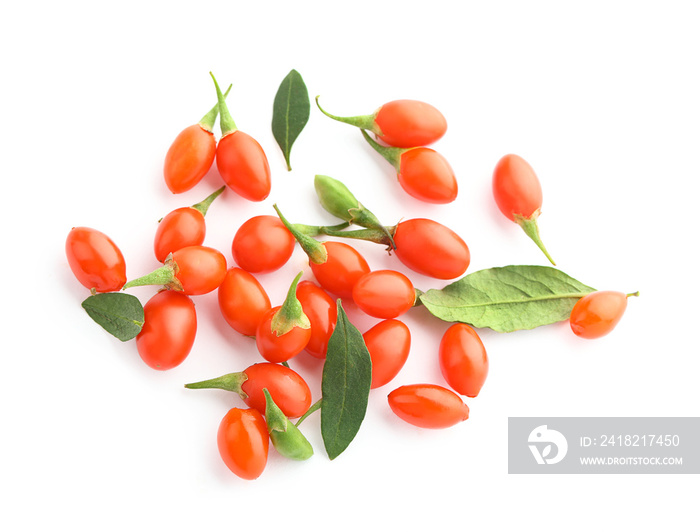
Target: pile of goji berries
306,320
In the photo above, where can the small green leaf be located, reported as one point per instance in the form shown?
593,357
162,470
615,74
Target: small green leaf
121,315
345,385
507,299
290,112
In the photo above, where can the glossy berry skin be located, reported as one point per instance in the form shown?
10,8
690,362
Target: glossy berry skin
409,123
243,166
169,329
388,343
430,248
344,266
95,260
178,229
189,158
428,406
243,301
201,269
516,189
597,313
426,175
262,244
244,442
281,348
384,293
288,389
463,360
322,312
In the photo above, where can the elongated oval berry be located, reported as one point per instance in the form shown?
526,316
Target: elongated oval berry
518,194
341,270
426,175
430,248
598,313
384,293
401,123
243,166
191,154
288,388
388,343
244,442
193,270
189,158
463,360
262,244
322,312
95,260
240,159
428,405
243,301
169,330
422,172
182,227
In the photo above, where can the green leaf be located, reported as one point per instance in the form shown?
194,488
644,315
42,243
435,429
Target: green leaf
507,299
345,385
290,112
121,315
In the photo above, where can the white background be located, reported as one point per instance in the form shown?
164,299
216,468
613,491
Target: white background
600,97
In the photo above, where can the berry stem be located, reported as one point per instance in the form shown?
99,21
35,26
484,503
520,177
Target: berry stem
203,206
311,410
228,126
290,314
531,229
315,250
231,382
207,121
390,153
361,121
165,275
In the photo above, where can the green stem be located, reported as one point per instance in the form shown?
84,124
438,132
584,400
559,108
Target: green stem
311,410
203,206
165,275
315,230
228,126
315,250
377,236
390,153
231,382
361,121
531,229
290,314
207,121
634,294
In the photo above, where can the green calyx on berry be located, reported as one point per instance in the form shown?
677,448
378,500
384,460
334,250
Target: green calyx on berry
285,436
203,206
314,249
166,275
207,121
532,230
390,153
290,314
228,126
337,199
361,121
231,382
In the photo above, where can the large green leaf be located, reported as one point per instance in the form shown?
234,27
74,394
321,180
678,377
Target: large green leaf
508,298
